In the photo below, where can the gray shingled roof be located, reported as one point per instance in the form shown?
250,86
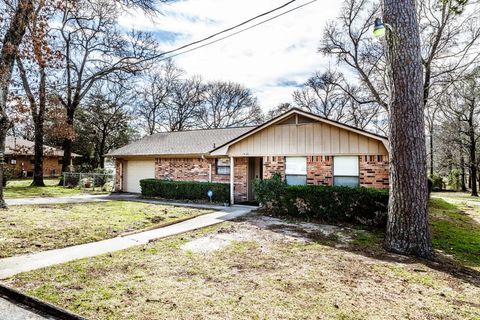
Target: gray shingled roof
180,142
18,146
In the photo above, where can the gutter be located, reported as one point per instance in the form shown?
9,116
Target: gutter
37,306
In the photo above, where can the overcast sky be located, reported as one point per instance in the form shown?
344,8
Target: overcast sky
272,59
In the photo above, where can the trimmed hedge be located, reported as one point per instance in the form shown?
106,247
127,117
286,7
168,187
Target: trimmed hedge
365,206
185,190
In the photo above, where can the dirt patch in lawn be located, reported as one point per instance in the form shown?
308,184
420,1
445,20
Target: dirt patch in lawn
256,268
27,229
279,229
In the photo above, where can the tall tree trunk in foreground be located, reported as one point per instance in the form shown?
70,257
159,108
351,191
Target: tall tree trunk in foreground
407,226
11,41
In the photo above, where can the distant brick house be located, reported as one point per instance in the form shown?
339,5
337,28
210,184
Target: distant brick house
19,155
304,148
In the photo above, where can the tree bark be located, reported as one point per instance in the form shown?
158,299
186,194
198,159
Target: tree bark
473,156
12,39
38,158
68,142
462,174
407,226
431,154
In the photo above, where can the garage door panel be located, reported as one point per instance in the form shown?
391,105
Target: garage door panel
136,171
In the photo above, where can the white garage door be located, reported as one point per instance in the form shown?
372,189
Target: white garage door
136,171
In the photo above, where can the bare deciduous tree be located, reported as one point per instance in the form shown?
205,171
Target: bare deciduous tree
103,122
155,92
463,109
95,50
227,104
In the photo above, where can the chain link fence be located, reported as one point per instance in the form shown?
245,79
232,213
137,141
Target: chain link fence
92,181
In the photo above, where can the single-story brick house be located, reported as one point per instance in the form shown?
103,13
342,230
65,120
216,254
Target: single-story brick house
304,148
19,155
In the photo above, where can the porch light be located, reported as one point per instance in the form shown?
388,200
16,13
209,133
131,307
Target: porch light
379,28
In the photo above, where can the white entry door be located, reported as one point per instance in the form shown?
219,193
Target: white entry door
138,170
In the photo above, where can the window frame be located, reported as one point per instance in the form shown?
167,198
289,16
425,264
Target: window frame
346,175
222,166
296,174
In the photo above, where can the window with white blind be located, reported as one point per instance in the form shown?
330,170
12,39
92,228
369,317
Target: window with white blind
296,170
223,166
346,171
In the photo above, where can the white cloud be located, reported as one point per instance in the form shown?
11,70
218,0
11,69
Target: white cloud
281,51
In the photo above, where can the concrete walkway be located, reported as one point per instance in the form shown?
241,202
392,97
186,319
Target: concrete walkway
10,311
14,265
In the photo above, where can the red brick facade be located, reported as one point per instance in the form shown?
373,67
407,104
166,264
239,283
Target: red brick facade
240,179
188,169
374,171
272,165
320,170
118,175
52,166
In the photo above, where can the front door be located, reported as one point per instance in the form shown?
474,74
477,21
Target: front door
255,171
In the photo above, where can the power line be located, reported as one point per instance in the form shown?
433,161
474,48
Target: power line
230,35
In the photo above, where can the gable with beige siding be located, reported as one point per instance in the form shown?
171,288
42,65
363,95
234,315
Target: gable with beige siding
314,138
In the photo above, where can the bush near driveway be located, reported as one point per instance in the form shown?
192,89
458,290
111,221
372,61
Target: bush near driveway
365,206
185,190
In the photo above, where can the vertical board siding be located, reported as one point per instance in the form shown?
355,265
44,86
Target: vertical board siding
306,139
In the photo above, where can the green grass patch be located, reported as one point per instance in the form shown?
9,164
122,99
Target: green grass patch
26,229
455,232
23,189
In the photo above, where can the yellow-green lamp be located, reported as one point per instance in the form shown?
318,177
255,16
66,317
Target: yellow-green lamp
379,28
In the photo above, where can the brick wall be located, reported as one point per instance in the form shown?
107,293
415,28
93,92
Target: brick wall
240,180
118,175
320,170
374,171
188,169
272,165
51,166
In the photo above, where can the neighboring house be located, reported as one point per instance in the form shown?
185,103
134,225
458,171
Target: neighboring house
19,154
304,148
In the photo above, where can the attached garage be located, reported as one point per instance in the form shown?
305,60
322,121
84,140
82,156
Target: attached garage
136,170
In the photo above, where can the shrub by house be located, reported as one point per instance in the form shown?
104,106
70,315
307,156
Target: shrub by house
185,190
327,203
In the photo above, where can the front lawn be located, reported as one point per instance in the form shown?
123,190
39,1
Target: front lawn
22,189
26,229
455,231
265,268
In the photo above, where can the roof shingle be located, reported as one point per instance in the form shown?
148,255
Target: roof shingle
180,142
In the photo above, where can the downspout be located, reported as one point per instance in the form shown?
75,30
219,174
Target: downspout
232,184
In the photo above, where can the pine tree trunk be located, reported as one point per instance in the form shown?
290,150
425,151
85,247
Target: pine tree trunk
407,226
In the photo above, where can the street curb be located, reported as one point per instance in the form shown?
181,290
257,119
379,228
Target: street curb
38,306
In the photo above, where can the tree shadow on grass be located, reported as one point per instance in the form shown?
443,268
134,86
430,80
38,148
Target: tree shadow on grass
455,235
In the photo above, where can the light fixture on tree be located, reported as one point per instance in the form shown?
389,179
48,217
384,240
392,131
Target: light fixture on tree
379,28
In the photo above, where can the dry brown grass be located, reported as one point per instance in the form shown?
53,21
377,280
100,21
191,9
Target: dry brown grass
280,273
34,228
